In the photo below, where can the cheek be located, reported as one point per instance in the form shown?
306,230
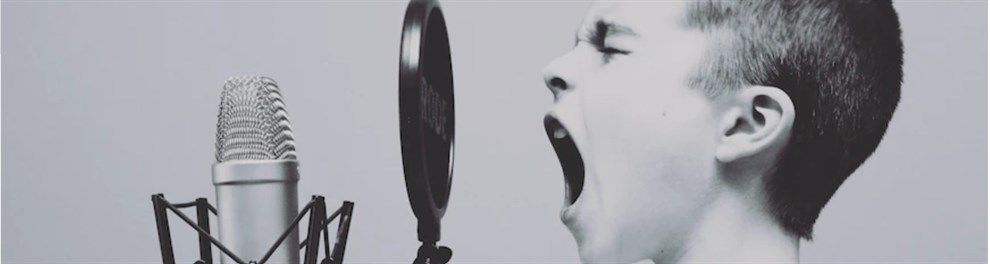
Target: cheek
646,122
653,151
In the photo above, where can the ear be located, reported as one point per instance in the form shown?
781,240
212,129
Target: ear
756,119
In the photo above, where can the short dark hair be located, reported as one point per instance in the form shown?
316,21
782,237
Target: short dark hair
840,63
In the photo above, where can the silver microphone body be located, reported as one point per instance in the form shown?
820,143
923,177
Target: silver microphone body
257,201
256,173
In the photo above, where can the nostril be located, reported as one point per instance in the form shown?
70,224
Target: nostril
558,83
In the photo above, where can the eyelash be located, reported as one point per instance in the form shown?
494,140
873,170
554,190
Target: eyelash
612,51
608,53
599,42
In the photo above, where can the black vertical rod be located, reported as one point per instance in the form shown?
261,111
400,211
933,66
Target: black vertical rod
316,218
164,235
203,220
326,243
343,228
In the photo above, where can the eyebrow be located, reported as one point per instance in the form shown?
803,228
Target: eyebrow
604,28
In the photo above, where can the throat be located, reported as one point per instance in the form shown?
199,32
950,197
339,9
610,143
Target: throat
737,228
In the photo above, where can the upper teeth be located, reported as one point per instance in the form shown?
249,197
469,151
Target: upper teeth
559,133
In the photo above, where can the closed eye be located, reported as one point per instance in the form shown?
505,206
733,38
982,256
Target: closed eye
596,37
612,51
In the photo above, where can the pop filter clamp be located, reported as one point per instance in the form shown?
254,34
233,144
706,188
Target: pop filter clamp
426,113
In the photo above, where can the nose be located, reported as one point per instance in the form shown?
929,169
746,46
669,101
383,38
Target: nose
558,76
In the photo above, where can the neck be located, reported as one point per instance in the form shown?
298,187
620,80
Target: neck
738,228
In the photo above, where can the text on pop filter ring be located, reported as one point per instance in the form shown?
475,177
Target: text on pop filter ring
434,111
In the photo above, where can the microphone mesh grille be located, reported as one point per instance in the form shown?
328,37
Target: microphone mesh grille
253,123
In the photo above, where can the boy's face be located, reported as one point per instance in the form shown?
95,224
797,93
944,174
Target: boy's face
644,168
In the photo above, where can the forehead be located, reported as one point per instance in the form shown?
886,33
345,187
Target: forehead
644,17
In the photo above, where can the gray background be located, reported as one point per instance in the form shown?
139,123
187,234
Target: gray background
107,102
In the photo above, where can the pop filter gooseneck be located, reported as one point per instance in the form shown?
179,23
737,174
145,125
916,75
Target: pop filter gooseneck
426,113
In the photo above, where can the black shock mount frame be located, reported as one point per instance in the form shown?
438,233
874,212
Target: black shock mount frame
318,222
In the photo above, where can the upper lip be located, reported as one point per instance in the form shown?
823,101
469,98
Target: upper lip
569,156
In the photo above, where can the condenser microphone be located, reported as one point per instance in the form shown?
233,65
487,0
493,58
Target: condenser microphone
256,171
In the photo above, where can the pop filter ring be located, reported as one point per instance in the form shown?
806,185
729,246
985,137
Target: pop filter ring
426,113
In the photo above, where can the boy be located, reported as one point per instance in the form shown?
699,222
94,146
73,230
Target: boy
714,131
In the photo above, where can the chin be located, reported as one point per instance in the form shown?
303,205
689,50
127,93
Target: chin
595,253
603,254
599,249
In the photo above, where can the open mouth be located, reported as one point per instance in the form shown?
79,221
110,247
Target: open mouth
569,156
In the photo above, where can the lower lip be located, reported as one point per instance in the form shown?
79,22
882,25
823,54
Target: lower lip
569,212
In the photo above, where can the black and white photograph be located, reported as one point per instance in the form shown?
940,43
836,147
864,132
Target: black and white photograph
484,131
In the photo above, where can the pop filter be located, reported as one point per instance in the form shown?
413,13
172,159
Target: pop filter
426,113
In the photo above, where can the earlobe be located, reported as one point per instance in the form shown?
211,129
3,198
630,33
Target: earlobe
756,120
